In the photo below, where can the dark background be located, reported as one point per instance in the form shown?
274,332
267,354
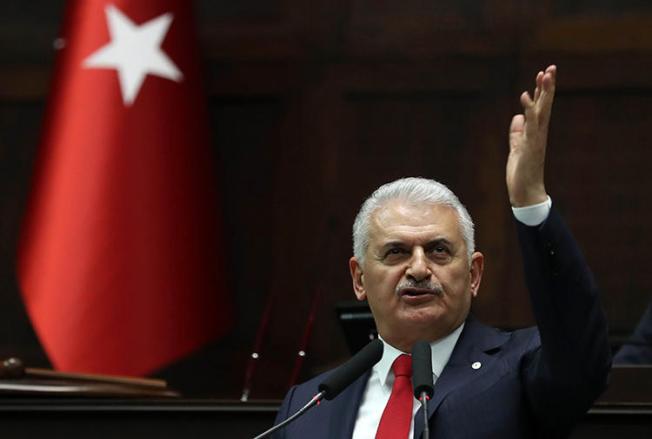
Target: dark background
316,103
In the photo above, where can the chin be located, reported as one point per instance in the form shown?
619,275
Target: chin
423,318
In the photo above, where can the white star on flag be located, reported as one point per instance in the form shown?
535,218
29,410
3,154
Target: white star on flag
134,52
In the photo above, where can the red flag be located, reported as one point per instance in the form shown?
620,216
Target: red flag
119,260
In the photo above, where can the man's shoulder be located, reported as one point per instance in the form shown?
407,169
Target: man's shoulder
500,342
481,331
332,418
313,383
307,389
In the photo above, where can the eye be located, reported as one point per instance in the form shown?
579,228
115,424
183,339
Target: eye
440,252
394,253
440,248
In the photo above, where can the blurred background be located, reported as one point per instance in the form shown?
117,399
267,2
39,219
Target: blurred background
315,104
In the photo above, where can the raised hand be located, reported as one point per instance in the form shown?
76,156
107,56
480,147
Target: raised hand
528,135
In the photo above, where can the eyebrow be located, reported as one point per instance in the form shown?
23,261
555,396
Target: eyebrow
427,245
439,241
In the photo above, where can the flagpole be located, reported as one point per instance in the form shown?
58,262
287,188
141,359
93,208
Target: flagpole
254,357
302,352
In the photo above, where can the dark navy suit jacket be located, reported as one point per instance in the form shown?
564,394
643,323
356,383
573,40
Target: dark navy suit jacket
534,382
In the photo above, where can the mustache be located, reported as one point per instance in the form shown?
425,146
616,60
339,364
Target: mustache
426,284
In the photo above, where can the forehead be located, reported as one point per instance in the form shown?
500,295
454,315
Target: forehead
399,219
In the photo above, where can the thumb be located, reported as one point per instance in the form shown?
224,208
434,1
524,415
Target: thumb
516,131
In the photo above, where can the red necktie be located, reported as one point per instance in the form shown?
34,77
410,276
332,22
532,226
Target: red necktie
397,417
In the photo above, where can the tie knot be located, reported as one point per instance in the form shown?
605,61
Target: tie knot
402,366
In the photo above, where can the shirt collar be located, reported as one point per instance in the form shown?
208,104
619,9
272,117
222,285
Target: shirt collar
441,351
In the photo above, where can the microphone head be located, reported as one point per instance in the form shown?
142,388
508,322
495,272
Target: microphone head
422,369
352,369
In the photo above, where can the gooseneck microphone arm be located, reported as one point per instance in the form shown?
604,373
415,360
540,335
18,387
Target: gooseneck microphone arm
422,379
315,400
424,403
348,372
337,381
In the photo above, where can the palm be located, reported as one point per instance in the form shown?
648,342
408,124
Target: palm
528,135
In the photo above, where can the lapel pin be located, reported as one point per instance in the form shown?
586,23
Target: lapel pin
477,365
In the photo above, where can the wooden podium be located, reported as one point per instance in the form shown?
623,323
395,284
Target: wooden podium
624,412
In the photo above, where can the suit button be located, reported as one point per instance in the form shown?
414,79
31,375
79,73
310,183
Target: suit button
552,259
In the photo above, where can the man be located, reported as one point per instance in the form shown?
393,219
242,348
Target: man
414,262
638,349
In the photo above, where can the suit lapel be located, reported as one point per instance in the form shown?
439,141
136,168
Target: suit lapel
477,343
344,408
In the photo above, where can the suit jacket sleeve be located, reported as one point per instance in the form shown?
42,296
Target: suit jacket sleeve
568,369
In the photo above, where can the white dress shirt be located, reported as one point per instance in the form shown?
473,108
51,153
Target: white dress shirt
381,380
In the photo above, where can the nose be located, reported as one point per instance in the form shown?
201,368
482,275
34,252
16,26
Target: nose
418,268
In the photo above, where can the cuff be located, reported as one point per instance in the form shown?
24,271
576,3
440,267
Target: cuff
533,215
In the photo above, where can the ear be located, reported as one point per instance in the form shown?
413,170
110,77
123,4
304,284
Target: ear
357,276
477,267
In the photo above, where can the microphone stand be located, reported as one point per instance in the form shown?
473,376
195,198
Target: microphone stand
424,404
422,379
314,401
337,381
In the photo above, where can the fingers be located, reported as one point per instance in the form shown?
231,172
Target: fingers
545,81
536,111
544,104
529,108
543,93
548,78
539,83
526,101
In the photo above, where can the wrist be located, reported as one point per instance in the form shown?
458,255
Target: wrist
525,200
528,197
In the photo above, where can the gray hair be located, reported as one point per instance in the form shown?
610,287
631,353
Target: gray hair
414,190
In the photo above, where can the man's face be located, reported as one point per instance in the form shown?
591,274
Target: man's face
416,274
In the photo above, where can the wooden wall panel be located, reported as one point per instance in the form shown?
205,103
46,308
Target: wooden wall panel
406,135
416,28
19,128
601,171
604,8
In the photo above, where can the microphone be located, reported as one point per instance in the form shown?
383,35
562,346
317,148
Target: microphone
422,379
352,369
338,380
